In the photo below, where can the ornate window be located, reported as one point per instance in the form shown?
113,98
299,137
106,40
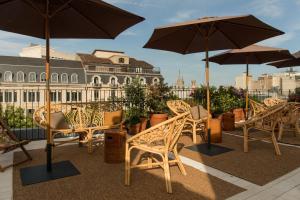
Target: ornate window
43,77
20,76
54,78
143,80
8,76
32,77
74,78
121,60
127,80
64,78
155,80
113,80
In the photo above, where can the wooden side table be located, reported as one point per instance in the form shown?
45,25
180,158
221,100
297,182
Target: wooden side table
114,146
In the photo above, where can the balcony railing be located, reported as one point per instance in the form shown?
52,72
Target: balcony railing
18,106
155,70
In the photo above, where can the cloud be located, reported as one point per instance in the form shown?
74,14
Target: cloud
268,8
279,40
181,16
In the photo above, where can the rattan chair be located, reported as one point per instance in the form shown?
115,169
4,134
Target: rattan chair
159,140
290,119
266,121
191,126
9,142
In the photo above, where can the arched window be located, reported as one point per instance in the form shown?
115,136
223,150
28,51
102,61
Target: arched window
32,77
127,80
20,76
142,80
8,76
113,80
43,77
54,78
74,78
64,78
96,80
155,80
121,60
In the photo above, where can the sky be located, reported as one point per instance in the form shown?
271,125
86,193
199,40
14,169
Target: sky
282,14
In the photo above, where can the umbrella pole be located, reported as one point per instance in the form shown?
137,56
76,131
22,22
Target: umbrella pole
48,108
207,94
247,94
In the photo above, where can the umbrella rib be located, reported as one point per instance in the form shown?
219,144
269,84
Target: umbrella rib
268,29
232,41
153,41
89,20
60,8
190,43
4,2
32,5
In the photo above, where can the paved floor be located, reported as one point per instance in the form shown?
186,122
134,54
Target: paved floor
286,187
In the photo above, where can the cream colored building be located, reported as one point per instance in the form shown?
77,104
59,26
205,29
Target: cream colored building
240,81
39,51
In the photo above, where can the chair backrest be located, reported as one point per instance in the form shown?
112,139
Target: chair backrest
7,137
269,102
166,133
271,114
179,107
256,107
80,115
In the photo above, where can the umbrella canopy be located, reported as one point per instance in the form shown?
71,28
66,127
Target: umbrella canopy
291,62
63,19
211,33
66,18
253,54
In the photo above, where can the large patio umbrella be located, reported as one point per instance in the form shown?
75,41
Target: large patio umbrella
209,34
63,19
253,54
290,62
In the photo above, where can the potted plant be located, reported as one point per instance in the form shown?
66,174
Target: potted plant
136,119
156,100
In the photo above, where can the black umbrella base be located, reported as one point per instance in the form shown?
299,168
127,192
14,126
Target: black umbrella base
39,173
212,151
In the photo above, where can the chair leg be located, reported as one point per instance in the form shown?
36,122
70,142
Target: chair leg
179,163
167,174
276,146
127,165
90,142
194,133
149,158
280,132
26,153
246,135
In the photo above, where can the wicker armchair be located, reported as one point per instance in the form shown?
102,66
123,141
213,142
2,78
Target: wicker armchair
266,121
83,119
290,119
269,102
191,125
159,140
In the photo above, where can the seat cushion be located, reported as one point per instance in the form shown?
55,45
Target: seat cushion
112,118
58,121
198,112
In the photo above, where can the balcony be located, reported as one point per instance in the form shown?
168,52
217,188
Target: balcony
234,176
121,70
